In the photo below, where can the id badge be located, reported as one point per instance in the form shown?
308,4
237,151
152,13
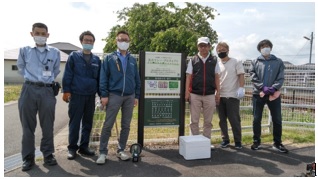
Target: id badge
47,73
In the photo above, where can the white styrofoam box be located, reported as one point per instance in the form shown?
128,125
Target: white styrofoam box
194,147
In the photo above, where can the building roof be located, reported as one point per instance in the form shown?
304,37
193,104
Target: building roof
11,54
65,46
14,54
309,64
287,63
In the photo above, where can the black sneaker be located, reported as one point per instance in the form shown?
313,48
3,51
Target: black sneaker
225,143
50,160
86,151
238,145
280,148
255,146
28,163
71,155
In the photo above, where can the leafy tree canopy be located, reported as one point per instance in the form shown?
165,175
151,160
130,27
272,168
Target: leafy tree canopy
164,28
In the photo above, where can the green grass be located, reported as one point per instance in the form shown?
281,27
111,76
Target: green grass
294,135
11,92
288,136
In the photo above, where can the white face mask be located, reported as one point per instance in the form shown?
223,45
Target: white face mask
40,40
266,51
122,45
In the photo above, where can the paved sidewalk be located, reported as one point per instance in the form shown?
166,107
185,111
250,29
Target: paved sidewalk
165,161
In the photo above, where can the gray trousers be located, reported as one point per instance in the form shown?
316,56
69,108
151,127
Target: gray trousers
229,108
37,100
115,102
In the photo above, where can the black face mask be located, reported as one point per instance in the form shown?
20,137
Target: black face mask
222,54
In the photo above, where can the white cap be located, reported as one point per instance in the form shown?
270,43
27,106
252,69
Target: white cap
204,40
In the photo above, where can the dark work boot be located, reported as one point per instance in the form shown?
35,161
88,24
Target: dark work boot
86,151
28,163
50,160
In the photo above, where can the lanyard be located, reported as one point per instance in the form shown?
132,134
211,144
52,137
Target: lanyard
42,61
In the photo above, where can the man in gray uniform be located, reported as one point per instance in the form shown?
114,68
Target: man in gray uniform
39,65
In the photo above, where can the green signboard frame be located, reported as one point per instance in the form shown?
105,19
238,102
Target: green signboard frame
161,102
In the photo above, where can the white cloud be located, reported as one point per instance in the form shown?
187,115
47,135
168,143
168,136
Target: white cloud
253,15
248,11
241,24
65,21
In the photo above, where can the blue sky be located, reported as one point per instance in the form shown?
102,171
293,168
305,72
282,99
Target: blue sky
242,25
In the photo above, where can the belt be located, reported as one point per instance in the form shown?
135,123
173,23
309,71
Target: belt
40,84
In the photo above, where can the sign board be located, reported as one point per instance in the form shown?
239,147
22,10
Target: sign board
161,101
162,88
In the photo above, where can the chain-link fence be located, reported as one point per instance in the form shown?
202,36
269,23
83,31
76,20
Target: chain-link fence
298,110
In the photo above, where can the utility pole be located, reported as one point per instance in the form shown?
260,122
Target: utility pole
311,40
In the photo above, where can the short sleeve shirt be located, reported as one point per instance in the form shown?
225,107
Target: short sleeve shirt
229,79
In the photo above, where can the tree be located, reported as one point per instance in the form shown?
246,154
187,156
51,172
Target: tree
164,28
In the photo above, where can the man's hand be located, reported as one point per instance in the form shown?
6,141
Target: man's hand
217,98
271,90
104,101
66,97
136,103
241,93
187,96
266,90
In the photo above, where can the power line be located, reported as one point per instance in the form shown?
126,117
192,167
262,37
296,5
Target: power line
298,55
298,52
311,41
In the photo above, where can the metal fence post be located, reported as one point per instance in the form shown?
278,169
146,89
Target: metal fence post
270,122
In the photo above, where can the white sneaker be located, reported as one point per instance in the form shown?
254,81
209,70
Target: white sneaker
123,156
212,146
101,159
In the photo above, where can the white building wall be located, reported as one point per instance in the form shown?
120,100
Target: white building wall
12,76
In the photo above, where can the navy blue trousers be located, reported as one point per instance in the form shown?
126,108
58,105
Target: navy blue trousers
81,112
275,109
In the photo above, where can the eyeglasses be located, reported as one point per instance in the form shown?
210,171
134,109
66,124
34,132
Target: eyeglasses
123,40
88,40
203,45
219,50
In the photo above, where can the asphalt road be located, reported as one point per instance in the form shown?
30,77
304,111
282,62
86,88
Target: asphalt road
12,125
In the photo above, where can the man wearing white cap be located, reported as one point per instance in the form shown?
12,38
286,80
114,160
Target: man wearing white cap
202,87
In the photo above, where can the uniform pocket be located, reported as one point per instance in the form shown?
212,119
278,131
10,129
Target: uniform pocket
95,68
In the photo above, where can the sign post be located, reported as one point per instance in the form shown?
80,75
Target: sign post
162,100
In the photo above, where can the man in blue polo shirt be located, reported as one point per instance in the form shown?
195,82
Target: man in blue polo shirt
39,65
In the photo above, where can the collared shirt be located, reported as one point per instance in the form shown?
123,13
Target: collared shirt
190,67
123,59
37,66
203,59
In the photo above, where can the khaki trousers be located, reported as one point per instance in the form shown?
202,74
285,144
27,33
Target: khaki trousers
206,104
